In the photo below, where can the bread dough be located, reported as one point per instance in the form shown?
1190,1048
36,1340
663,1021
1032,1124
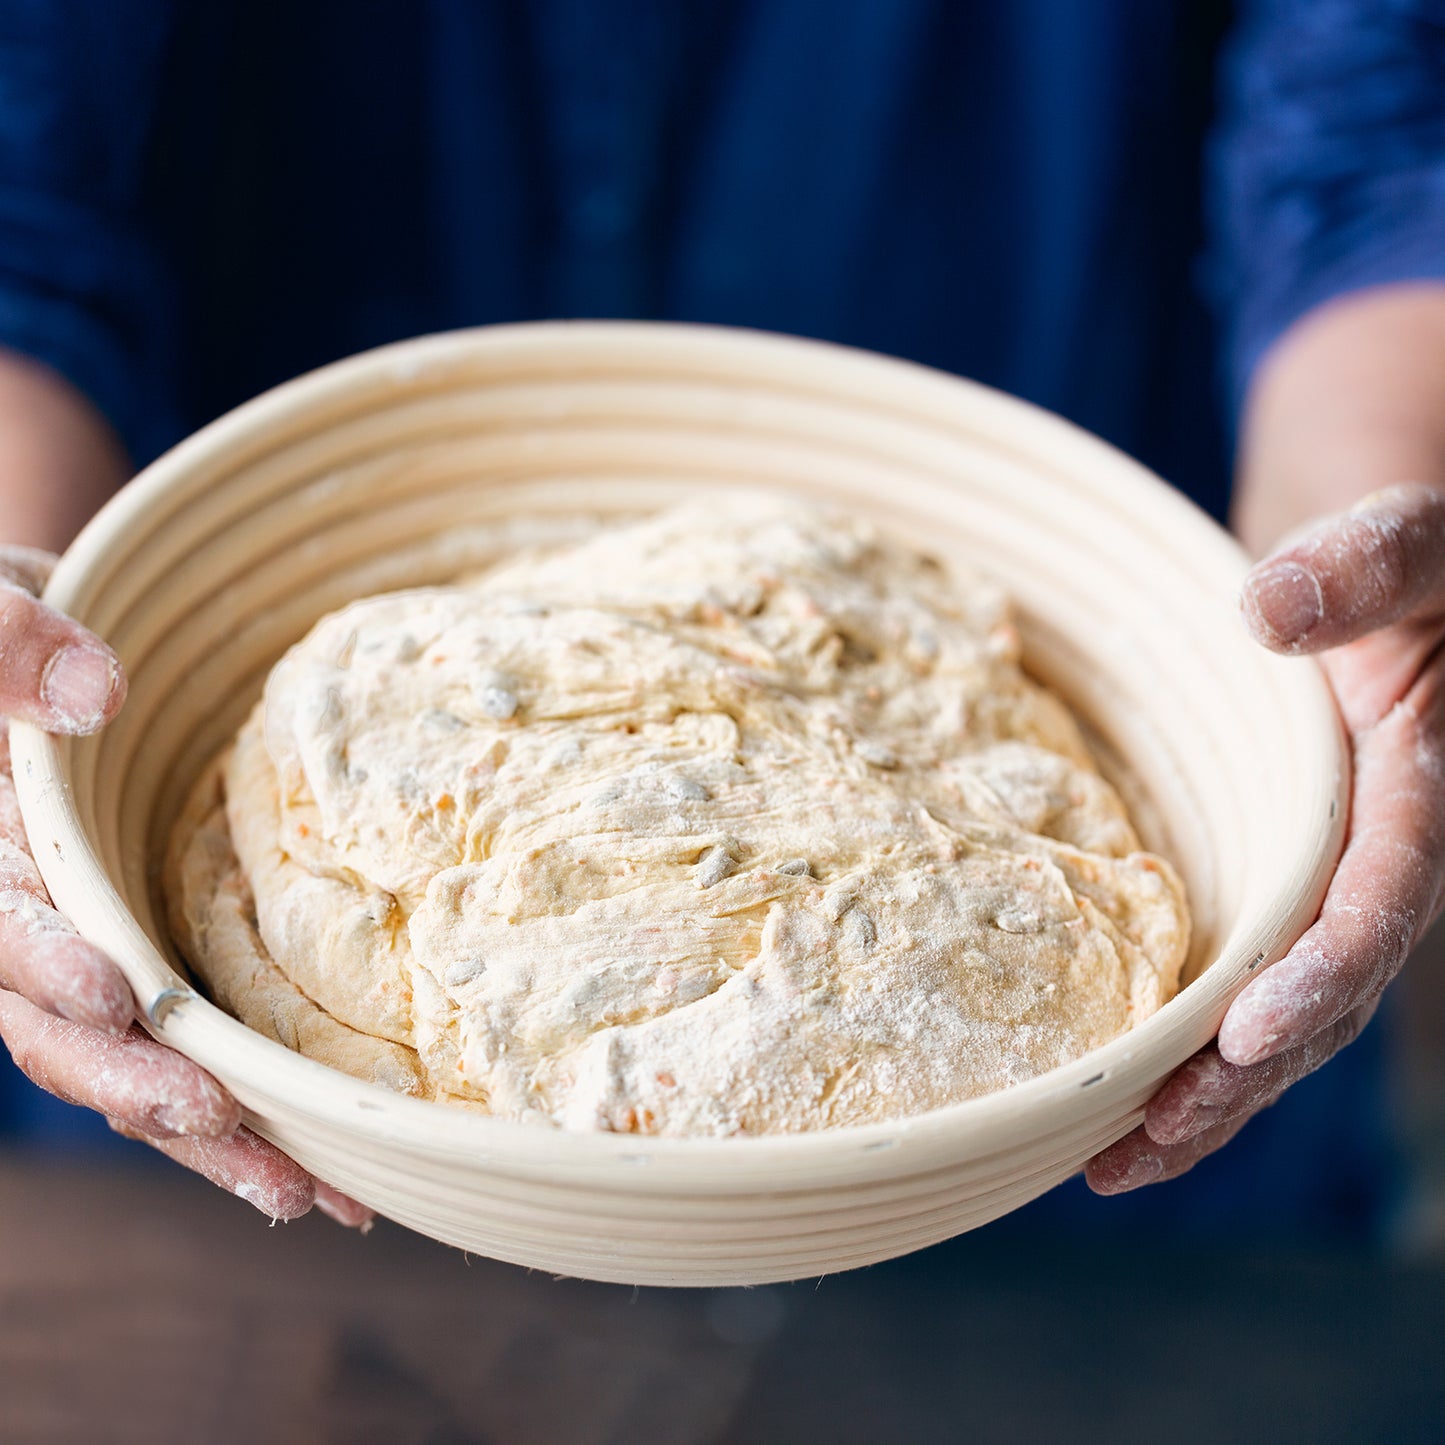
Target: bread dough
738,819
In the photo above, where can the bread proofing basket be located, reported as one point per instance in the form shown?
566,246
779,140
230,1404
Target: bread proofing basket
411,463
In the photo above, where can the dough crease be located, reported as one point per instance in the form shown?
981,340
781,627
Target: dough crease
739,819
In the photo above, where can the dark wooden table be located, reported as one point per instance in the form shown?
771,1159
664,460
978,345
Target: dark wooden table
138,1304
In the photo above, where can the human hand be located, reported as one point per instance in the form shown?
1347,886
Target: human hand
1366,590
66,1012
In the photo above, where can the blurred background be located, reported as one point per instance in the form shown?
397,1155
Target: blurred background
138,1303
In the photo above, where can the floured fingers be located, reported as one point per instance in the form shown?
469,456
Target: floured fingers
1136,1160
41,955
45,961
243,1164
1208,1090
1353,573
1206,1103
128,1076
54,673
248,1167
1383,896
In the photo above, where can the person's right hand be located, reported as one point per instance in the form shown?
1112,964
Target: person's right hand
66,1012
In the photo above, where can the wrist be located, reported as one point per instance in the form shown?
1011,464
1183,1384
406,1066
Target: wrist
1349,400
59,457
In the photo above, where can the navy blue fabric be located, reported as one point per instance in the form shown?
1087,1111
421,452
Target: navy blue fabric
1327,170
199,199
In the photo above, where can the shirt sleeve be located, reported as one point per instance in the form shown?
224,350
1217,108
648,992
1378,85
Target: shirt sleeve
1327,165
80,285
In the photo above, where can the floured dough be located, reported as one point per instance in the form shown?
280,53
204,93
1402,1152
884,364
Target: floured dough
739,819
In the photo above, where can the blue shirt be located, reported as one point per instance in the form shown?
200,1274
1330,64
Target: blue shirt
1090,203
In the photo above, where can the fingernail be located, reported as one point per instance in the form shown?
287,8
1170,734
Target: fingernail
1143,1168
283,1201
78,984
1254,1052
104,1018
257,1198
1285,601
1196,1121
343,1209
1391,497
209,1113
1251,1030
78,683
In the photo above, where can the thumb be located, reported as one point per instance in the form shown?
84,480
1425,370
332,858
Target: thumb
53,672
1353,573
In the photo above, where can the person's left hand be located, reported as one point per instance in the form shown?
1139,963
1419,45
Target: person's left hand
67,1014
1366,589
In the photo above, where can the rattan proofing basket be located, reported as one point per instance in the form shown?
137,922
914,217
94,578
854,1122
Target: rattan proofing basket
411,463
